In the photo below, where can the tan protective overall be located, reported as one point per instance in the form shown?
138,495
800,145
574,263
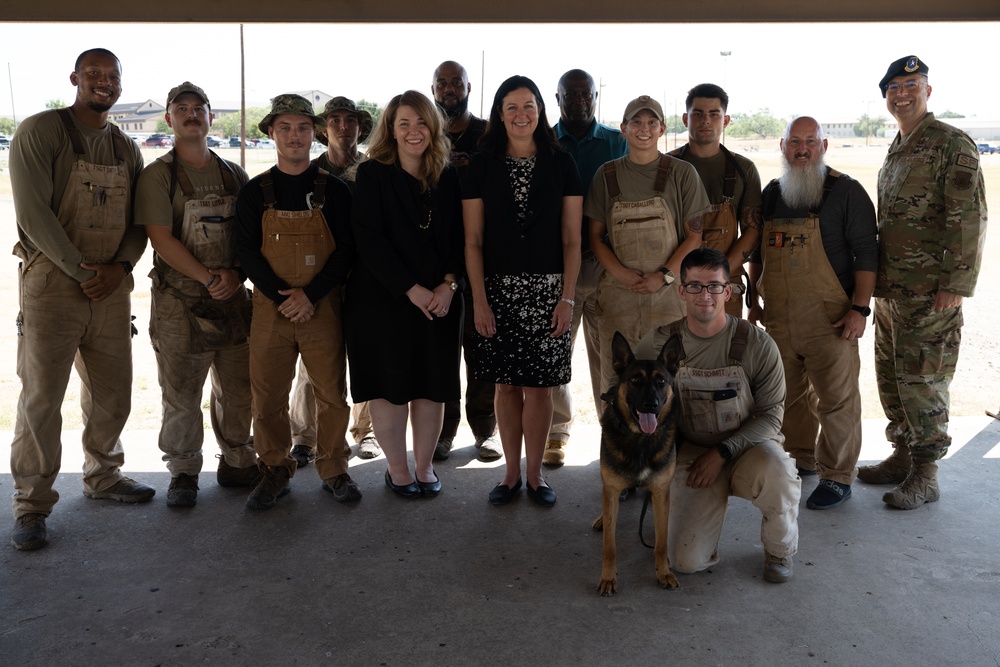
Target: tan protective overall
60,325
720,233
714,404
297,244
643,236
193,334
802,298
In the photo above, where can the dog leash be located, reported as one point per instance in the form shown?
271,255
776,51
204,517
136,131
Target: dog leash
642,517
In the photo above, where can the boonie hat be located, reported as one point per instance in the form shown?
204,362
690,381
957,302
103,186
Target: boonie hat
187,87
902,67
290,103
640,103
340,103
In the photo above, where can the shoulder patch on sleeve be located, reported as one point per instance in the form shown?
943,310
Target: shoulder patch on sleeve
967,161
963,180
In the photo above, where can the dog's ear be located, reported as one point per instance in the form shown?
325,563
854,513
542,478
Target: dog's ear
621,353
671,353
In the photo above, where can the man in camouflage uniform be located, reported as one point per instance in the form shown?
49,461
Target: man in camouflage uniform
932,225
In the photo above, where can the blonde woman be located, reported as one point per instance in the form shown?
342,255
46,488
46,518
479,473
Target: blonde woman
403,322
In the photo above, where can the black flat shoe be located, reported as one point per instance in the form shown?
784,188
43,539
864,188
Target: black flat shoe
503,494
410,490
543,495
430,489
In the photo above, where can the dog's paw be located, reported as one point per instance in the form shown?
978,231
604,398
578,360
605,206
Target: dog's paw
668,580
599,523
607,587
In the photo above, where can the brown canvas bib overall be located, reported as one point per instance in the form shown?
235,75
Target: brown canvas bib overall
802,298
643,236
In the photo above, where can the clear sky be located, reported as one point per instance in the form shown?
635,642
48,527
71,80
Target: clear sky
830,71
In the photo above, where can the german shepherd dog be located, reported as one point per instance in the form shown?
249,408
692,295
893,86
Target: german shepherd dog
638,448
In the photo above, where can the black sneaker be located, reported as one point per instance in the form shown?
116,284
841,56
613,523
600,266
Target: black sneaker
183,491
29,532
828,494
232,476
303,455
273,485
343,488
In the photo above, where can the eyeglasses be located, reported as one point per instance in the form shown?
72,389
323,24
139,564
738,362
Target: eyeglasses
909,86
713,288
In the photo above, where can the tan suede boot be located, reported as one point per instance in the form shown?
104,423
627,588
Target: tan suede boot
919,487
891,471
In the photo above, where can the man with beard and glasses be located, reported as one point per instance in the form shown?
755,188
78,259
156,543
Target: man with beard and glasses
932,226
591,144
451,90
731,180
347,125
200,310
72,174
815,270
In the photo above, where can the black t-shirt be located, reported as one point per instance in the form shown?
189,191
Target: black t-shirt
293,194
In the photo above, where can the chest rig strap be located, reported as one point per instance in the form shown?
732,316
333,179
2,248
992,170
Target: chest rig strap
773,191
117,138
663,170
317,196
178,176
737,347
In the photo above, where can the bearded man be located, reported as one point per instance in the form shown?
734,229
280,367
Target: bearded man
815,270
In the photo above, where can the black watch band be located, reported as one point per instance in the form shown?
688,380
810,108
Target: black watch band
127,266
864,310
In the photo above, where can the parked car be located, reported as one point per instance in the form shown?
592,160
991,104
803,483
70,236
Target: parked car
215,142
266,143
986,148
234,142
159,140
4,142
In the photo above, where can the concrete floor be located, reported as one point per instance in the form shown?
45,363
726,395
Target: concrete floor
456,581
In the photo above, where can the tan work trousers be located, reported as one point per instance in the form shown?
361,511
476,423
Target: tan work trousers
302,413
275,345
61,327
585,312
763,474
182,376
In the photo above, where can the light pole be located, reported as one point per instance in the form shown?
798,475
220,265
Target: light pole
600,96
725,60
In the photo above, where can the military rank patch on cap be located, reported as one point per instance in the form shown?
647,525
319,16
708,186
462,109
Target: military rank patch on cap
912,65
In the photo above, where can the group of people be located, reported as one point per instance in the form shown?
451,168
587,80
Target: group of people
500,236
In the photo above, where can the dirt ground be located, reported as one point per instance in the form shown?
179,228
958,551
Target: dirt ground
975,389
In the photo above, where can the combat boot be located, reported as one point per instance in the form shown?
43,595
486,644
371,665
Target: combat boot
273,485
919,487
891,471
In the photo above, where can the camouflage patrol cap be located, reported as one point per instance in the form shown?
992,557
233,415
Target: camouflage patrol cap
902,67
340,103
187,87
640,103
290,103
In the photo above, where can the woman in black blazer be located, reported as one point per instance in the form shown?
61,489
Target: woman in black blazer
522,205
403,324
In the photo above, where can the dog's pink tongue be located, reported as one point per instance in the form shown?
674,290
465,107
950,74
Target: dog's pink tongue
647,422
